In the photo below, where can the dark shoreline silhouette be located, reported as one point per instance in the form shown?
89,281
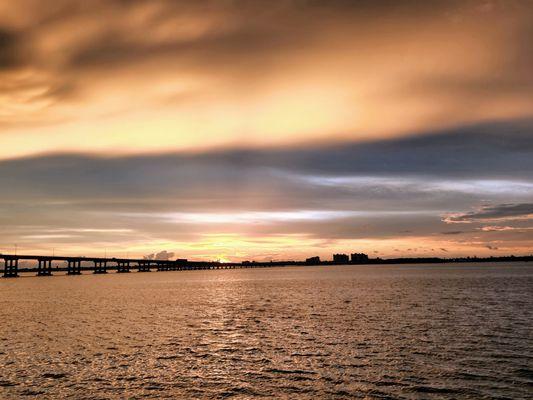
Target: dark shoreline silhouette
75,265
405,260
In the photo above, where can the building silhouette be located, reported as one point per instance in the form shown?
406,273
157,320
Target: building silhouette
359,258
341,258
312,260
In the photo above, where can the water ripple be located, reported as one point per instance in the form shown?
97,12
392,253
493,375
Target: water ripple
381,332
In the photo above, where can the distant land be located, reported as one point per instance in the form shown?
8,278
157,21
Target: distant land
401,260
74,264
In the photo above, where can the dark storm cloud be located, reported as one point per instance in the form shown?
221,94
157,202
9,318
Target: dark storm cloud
240,29
255,29
240,37
431,165
255,32
498,212
485,150
9,50
225,47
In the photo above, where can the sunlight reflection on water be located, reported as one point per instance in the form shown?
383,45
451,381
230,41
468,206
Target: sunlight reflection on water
413,332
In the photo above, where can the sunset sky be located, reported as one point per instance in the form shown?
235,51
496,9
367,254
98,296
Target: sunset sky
239,130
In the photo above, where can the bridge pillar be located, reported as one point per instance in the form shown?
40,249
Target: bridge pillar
100,267
162,266
11,267
73,267
143,266
123,266
44,268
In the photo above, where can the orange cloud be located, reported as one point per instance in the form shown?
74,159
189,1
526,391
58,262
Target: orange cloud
152,76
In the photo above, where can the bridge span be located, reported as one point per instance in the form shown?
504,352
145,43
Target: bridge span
45,265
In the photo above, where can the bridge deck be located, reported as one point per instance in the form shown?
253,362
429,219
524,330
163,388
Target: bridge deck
101,265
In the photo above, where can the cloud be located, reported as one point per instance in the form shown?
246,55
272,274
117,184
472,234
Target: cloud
348,180
501,212
485,150
385,187
10,57
498,228
211,74
382,190
162,255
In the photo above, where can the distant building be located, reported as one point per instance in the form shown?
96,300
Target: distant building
181,261
341,258
359,258
313,260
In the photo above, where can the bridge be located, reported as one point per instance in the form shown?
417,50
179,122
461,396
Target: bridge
43,265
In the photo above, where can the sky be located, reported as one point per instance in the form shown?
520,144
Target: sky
234,130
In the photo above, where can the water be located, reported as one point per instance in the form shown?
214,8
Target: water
413,332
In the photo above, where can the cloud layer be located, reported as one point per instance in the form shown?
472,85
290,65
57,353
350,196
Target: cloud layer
500,212
241,129
392,196
140,76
